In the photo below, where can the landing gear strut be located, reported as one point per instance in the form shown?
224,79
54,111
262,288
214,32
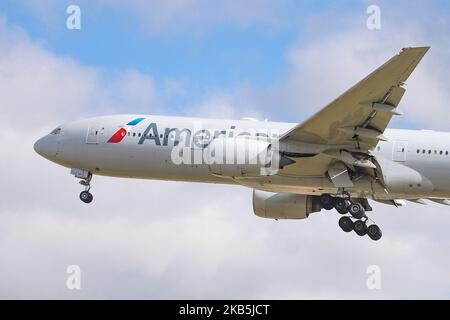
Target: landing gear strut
357,220
85,195
86,178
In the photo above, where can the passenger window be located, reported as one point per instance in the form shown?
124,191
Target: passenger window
418,150
139,134
429,151
440,152
446,153
134,134
423,151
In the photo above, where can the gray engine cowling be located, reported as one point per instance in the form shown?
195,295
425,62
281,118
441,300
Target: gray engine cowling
284,205
240,157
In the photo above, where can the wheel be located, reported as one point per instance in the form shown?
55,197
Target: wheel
327,201
374,232
356,210
346,224
86,197
342,211
340,204
360,228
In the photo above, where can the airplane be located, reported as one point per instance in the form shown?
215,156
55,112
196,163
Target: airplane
341,157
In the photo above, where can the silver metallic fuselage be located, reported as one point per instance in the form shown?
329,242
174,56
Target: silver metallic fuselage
84,145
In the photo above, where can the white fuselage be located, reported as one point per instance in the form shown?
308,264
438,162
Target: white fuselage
143,149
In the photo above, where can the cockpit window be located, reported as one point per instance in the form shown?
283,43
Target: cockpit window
56,131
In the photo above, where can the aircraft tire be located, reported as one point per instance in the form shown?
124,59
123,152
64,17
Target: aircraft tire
86,197
346,224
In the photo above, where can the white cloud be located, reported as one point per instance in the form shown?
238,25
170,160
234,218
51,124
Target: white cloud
28,73
39,88
333,57
224,105
132,91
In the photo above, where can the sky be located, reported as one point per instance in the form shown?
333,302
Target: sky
281,60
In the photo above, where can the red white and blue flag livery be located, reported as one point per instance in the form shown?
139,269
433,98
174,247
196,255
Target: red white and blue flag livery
122,132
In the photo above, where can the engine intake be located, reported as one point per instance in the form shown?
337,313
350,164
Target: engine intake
284,205
241,157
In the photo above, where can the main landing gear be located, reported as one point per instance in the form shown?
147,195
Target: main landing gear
357,221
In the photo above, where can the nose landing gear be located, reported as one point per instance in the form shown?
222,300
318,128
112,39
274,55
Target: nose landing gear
85,195
86,178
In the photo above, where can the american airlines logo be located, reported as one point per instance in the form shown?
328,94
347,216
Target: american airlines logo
122,132
199,139
256,147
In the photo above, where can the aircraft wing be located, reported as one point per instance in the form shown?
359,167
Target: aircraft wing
359,117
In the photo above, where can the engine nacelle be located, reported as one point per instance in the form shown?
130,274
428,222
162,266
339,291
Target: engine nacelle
284,205
241,157
401,179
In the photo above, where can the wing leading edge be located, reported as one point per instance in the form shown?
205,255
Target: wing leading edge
359,117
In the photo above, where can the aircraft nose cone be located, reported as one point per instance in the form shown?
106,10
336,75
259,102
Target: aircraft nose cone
38,146
45,147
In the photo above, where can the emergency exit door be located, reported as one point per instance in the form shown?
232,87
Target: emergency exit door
93,134
399,152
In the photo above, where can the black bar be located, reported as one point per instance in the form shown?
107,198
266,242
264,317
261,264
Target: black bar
222,309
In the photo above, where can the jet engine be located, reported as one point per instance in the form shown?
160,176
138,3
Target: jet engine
284,205
240,157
